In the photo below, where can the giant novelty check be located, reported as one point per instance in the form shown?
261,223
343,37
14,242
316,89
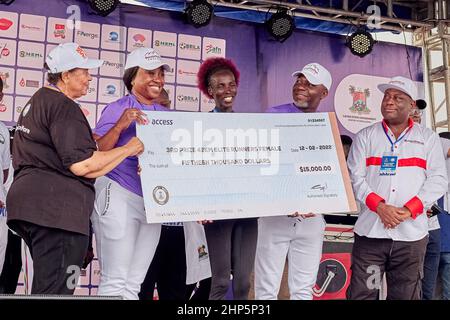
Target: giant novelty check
210,166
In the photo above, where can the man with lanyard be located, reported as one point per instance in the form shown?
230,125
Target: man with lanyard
397,172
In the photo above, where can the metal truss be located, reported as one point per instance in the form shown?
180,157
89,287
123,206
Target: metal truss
350,13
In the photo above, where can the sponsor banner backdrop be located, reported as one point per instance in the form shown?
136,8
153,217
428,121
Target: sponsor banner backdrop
265,73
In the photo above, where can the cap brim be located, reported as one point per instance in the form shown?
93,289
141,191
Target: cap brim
91,64
385,86
165,66
312,79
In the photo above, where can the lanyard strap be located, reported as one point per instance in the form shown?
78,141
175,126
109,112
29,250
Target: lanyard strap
396,141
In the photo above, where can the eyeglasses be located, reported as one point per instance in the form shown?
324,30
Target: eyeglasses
416,112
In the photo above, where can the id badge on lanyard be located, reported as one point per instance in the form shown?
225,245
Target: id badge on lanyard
388,164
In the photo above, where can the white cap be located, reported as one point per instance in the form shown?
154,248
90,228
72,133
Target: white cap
68,56
400,83
145,58
316,74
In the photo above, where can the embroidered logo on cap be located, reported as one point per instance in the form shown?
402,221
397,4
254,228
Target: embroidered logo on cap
81,52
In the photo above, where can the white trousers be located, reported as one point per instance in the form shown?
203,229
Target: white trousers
125,242
300,239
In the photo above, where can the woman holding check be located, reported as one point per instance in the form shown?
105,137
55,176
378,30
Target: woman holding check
126,243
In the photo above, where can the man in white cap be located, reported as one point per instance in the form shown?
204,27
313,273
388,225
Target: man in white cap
398,172
297,236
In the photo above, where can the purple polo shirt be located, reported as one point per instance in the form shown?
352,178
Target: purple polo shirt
284,108
125,173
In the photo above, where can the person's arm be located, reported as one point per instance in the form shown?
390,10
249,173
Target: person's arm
102,162
109,140
6,155
436,182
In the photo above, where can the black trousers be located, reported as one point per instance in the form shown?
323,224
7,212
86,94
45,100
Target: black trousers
57,256
168,270
232,249
12,266
402,261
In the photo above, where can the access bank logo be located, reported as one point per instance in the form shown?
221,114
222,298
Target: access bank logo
213,47
32,27
189,47
8,24
165,43
88,35
113,37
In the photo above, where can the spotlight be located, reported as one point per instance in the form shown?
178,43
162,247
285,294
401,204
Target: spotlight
280,25
199,13
103,7
360,43
7,2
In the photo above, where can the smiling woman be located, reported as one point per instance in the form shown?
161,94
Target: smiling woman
125,240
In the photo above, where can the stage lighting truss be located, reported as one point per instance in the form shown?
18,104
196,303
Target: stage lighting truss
280,25
360,43
103,7
199,13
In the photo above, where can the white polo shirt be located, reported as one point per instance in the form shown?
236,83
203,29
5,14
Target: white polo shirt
420,178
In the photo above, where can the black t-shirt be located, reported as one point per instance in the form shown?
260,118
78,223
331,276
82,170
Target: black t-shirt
52,133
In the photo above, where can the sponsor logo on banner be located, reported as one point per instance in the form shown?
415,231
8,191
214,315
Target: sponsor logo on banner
32,27
359,96
187,98
168,44
165,43
59,31
5,76
28,83
113,63
357,101
213,47
28,54
9,22
4,51
6,108
113,36
5,24
189,46
187,72
109,90
8,52
89,35
210,49
139,38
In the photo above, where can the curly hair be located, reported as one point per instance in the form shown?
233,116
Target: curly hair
211,66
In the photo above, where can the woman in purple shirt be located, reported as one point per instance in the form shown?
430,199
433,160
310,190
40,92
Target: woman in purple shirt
125,241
